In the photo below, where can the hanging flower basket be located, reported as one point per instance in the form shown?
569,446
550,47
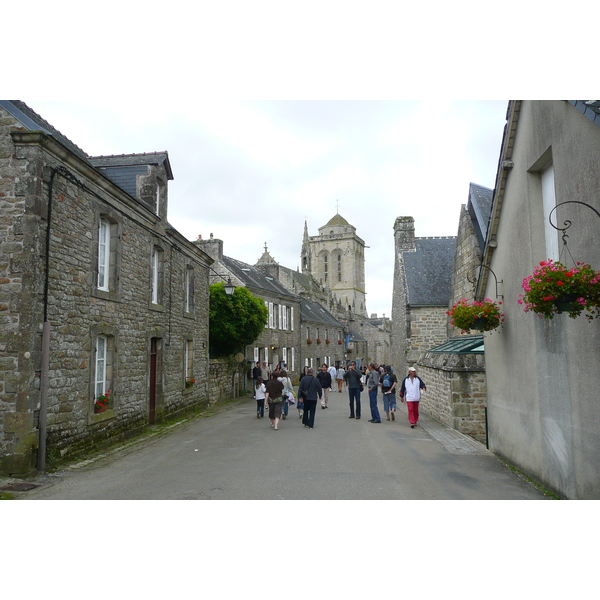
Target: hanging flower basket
189,382
554,288
475,315
318,341
328,341
102,402
308,341
339,342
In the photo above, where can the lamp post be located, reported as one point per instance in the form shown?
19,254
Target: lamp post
229,287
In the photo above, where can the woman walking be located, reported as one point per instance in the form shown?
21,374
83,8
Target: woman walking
288,389
273,400
259,394
340,378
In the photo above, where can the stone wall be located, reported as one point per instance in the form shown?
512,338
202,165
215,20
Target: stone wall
456,391
78,311
228,379
427,330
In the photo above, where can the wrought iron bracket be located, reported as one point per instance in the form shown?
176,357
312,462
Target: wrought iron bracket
567,222
474,280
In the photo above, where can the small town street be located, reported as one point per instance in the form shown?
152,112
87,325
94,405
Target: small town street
232,455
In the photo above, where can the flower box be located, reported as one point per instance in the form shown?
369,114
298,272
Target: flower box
308,341
554,288
476,315
189,382
102,402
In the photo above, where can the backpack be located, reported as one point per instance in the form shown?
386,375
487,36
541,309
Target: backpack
387,382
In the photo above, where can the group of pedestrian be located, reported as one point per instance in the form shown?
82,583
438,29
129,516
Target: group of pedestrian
277,393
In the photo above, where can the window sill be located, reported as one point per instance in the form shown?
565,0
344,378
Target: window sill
104,295
157,307
103,416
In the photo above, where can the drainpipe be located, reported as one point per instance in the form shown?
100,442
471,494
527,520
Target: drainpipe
44,376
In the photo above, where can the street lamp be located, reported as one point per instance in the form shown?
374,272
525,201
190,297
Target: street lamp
229,287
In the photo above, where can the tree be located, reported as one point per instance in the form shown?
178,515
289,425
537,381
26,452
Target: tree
235,321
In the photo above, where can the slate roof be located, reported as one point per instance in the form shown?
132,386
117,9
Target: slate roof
480,208
34,122
429,271
121,169
133,160
315,313
589,108
254,277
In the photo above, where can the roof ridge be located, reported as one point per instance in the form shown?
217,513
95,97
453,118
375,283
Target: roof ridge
20,105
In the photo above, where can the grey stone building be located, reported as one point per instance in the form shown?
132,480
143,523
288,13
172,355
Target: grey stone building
99,295
422,282
323,338
279,343
550,159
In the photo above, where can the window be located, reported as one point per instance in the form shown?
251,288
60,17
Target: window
549,202
293,360
188,360
104,255
103,365
267,356
325,268
157,275
339,266
292,318
271,315
284,355
101,385
267,324
189,289
256,356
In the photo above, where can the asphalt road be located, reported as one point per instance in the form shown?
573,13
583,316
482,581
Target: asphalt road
235,456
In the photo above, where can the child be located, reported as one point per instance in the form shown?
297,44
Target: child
259,393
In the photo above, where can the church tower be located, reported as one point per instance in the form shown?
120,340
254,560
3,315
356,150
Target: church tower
336,259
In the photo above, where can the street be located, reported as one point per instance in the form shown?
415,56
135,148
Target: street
235,456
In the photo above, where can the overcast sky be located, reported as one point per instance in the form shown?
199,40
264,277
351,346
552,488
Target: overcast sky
252,172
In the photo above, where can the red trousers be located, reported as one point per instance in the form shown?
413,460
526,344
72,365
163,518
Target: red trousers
413,412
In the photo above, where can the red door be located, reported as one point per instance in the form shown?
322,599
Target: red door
153,371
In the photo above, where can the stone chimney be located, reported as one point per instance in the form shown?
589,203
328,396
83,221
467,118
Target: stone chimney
404,234
212,247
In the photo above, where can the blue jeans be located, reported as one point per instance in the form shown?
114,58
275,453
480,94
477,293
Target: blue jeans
389,402
374,410
354,394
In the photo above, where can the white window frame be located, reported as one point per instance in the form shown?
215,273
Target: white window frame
101,362
293,359
188,365
104,255
292,318
267,356
267,324
271,316
256,355
155,261
549,203
188,289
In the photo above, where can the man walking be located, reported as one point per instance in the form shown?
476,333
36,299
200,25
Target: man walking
373,387
324,378
388,386
352,378
411,391
309,391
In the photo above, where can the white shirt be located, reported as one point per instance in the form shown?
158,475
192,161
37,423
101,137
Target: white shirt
413,390
333,372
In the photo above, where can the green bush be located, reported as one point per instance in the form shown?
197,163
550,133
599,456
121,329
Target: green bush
235,321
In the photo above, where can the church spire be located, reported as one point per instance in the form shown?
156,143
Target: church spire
305,254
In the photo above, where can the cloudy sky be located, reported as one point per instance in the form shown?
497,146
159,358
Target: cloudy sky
252,172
